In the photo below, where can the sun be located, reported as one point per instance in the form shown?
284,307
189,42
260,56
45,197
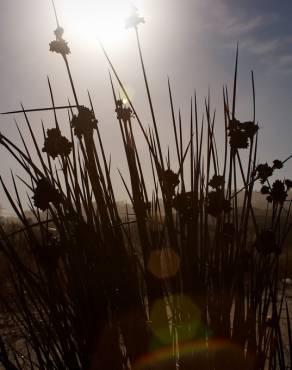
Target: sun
92,19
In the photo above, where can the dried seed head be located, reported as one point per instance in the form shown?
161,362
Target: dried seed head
277,164
240,133
59,33
183,204
217,204
123,113
263,172
56,144
288,184
84,123
265,190
134,19
60,47
44,194
170,181
217,182
278,192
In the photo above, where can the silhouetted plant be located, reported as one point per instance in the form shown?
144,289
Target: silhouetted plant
181,270
84,122
56,144
240,133
264,171
44,194
59,45
134,19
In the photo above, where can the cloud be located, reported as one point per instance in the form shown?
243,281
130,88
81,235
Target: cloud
275,54
282,64
260,35
286,60
261,47
239,26
258,48
222,19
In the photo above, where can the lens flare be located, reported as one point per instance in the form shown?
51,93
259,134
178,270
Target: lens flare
130,93
187,321
194,351
164,263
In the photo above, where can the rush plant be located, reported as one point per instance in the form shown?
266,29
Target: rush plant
187,279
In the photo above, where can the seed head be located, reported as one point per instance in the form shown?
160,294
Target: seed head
44,194
240,133
56,144
134,19
277,164
59,46
123,113
170,181
217,204
263,172
278,192
84,123
217,182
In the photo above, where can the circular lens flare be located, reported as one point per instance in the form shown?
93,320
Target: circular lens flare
164,263
187,320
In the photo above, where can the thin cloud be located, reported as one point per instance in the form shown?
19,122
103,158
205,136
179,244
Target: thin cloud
239,26
222,19
261,48
282,64
275,54
286,60
252,30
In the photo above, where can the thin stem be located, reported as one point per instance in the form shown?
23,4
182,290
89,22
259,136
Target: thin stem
71,80
56,15
149,96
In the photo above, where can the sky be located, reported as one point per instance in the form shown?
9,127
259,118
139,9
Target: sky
191,41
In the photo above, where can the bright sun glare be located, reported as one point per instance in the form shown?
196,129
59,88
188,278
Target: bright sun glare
92,19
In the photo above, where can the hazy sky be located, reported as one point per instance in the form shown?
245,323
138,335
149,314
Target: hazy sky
192,41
